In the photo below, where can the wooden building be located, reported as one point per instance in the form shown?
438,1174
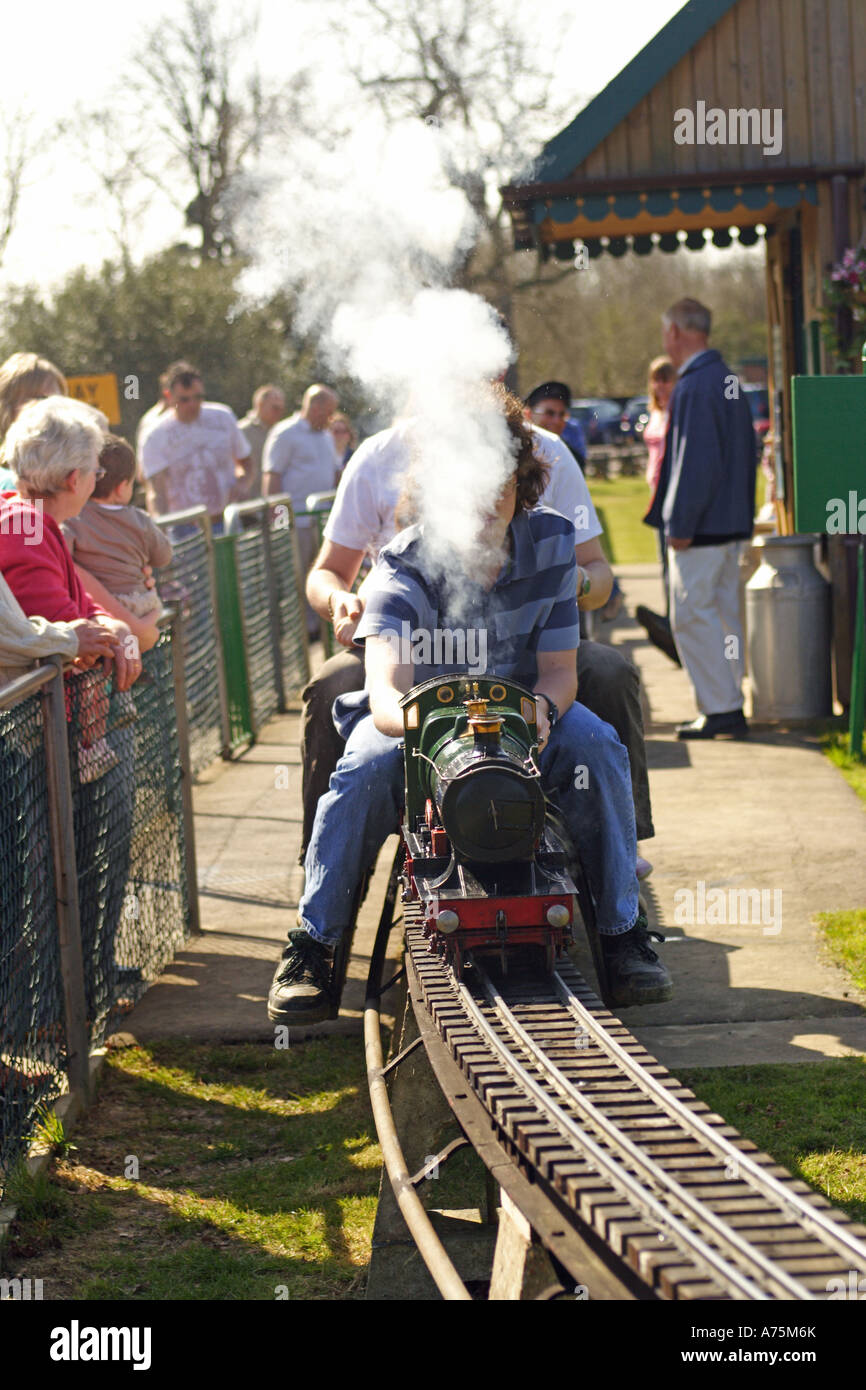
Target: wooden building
777,94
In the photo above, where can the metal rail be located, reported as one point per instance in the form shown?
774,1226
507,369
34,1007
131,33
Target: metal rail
760,1239
713,1262
430,1247
830,1231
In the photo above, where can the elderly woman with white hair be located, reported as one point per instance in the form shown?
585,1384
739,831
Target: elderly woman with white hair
53,448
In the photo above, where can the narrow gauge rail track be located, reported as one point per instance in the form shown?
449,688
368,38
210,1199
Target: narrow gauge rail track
627,1171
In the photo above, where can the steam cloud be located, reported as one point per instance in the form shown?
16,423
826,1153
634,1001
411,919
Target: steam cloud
368,235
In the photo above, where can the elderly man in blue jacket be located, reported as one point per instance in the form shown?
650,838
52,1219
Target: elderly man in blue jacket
704,504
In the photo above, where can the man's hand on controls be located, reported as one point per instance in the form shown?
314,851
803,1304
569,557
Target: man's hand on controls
346,609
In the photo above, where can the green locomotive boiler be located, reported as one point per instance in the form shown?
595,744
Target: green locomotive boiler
481,854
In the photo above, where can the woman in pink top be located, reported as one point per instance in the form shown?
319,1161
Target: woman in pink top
662,377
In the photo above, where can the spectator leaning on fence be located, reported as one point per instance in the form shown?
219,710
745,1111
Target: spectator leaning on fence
195,455
53,449
24,640
269,407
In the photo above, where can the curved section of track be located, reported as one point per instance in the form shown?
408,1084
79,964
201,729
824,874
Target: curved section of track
678,1197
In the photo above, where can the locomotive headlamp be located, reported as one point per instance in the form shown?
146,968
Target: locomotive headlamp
448,921
558,915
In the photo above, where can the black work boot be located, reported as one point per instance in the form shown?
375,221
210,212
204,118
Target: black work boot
635,973
300,992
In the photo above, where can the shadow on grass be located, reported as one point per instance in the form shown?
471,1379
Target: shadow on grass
214,1173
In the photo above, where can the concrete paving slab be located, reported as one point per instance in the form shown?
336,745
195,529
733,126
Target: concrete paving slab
248,832
752,839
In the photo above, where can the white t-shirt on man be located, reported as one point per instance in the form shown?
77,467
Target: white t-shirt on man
305,459
197,459
362,517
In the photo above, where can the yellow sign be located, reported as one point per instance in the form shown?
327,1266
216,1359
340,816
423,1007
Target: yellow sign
100,391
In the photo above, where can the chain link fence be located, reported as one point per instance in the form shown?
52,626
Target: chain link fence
188,584
265,641
97,862
96,867
33,1052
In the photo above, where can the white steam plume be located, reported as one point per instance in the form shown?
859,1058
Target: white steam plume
368,235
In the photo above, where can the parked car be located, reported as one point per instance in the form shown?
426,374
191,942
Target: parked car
758,398
600,419
634,417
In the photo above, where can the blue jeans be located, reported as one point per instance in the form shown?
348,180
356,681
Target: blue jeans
584,769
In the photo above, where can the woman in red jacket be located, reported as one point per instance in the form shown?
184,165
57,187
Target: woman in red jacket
53,449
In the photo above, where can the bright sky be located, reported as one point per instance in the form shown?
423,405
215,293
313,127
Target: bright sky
59,56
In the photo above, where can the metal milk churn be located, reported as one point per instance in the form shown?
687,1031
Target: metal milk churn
788,626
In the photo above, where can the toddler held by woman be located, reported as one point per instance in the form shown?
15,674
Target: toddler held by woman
114,540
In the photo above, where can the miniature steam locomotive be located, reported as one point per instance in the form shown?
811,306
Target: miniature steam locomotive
481,854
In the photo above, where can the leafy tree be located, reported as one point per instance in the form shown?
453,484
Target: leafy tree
134,321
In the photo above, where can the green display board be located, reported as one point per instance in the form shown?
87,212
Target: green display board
829,427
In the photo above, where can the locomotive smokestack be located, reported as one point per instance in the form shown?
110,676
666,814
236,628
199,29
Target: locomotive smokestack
487,728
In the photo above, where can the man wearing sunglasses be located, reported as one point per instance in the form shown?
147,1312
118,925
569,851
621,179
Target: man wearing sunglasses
195,455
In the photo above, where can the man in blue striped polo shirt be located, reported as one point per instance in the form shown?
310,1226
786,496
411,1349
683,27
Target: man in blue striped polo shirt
517,616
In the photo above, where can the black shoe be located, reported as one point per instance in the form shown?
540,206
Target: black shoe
658,630
301,989
730,725
635,973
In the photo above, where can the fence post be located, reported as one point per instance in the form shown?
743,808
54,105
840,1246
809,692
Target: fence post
182,723
273,611
225,721
300,581
59,785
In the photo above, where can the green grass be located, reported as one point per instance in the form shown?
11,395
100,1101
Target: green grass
835,745
845,932
811,1117
845,935
621,503
257,1171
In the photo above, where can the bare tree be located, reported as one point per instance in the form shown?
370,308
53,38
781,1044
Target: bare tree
211,112
16,150
471,66
118,155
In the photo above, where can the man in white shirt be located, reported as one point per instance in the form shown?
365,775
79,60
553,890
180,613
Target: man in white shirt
195,455
362,521
300,458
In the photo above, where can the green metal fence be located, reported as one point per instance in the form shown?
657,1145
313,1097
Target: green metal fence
261,605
